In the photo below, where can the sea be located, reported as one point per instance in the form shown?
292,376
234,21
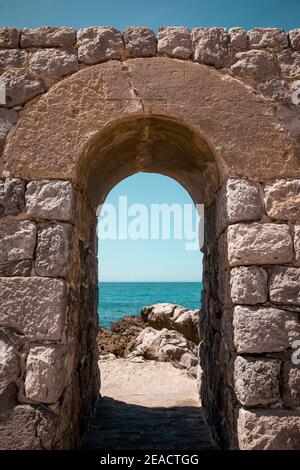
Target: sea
117,299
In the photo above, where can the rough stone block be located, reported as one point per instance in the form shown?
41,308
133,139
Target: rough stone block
9,38
8,118
273,38
211,46
98,44
48,370
256,381
17,240
17,268
248,285
9,363
12,58
268,429
294,36
259,244
262,330
50,199
284,284
48,37
53,62
21,86
297,243
53,250
140,42
238,201
282,199
277,90
34,306
291,384
238,38
289,63
12,196
175,42
255,64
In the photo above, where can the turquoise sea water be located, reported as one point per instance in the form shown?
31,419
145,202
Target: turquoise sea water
117,299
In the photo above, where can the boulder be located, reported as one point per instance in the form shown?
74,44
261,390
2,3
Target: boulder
115,340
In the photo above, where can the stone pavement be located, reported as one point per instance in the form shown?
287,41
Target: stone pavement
148,406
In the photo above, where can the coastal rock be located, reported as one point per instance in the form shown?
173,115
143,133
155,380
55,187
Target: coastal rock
121,333
173,317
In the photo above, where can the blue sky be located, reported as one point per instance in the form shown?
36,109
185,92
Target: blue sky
140,260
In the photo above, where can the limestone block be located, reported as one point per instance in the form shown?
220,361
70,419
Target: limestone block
50,199
12,196
256,64
9,38
140,42
260,330
282,199
294,36
211,46
248,285
284,284
8,118
48,370
238,38
289,63
268,429
17,240
9,363
17,268
53,250
291,384
175,42
297,243
12,58
48,37
238,201
53,62
97,44
274,38
21,86
34,306
256,381
259,244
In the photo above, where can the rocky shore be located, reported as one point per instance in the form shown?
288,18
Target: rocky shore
163,332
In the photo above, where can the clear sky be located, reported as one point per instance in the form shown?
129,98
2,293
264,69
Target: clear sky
150,260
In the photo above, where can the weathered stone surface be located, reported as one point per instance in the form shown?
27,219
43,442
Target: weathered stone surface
211,46
53,250
12,58
48,37
9,363
238,38
17,268
297,243
255,64
48,370
284,284
259,244
8,118
274,38
268,429
21,86
238,201
12,196
277,90
17,240
256,381
33,306
97,44
259,330
282,199
140,42
175,42
291,384
294,36
53,62
9,38
289,63
248,285
50,199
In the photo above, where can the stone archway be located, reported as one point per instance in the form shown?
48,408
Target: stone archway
228,148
